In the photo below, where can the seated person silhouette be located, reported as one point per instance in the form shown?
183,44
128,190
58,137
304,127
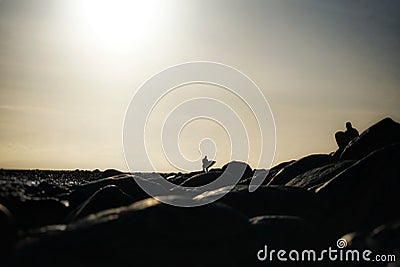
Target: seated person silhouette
344,138
207,164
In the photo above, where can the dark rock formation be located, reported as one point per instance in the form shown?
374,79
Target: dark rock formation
364,194
237,168
281,231
7,233
300,166
126,183
308,203
35,212
269,233
146,233
383,240
318,176
259,174
383,133
385,237
201,179
265,175
232,169
267,200
274,170
106,198
110,172
179,178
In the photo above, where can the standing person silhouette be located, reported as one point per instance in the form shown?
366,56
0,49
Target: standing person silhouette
207,164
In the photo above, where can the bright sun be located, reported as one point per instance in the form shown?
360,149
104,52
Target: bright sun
118,24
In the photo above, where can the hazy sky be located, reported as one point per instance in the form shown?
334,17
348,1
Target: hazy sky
68,70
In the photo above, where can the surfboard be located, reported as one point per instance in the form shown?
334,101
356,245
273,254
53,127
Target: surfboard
211,163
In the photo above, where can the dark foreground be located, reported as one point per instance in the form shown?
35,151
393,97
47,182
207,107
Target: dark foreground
93,218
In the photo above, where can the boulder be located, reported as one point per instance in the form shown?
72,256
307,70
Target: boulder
268,233
7,233
106,198
383,239
238,167
201,179
383,133
110,172
125,183
31,213
300,166
274,170
146,233
265,175
363,195
179,178
318,176
46,189
259,174
266,200
281,231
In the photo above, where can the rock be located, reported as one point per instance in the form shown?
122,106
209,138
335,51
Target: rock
7,233
50,189
238,167
232,169
364,195
274,170
300,166
269,233
280,231
381,134
125,183
147,233
110,172
201,179
385,238
198,178
355,240
44,189
259,174
177,179
318,176
106,198
267,200
265,175
36,212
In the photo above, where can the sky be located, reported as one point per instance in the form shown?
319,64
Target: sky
69,69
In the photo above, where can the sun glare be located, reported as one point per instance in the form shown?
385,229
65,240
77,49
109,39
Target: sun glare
119,24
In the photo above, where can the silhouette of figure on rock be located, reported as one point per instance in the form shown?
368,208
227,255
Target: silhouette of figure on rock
207,164
344,138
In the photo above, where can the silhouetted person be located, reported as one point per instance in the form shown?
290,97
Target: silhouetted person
350,131
344,138
207,164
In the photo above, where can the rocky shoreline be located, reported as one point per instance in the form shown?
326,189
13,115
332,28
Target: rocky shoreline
94,218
